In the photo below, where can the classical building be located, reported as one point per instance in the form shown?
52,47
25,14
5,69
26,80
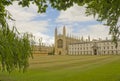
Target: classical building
65,45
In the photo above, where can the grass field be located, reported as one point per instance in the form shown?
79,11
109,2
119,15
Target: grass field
68,68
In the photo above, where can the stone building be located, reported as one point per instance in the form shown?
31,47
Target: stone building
62,42
103,47
42,50
65,45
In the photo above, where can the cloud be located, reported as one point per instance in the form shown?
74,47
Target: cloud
24,18
118,22
94,31
25,21
32,26
74,14
47,40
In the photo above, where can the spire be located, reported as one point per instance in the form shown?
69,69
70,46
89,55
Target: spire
82,38
55,31
67,35
106,38
79,38
64,31
75,37
99,39
88,38
70,36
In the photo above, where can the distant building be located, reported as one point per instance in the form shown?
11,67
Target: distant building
65,45
42,50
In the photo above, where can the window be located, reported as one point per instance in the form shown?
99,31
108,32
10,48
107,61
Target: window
104,52
111,47
112,52
99,47
104,47
87,48
60,43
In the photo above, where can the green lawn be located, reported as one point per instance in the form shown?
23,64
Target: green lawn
68,68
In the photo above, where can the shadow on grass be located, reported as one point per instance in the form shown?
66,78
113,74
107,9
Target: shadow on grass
5,78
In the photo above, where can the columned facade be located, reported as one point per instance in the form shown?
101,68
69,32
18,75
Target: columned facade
94,48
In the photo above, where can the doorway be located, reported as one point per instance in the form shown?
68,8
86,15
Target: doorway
95,51
59,52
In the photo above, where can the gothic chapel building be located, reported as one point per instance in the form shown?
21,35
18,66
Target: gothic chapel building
68,45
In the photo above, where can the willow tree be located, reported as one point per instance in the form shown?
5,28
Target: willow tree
15,48
11,44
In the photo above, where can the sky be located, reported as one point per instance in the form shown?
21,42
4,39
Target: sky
42,25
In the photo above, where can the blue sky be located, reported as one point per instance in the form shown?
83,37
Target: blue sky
43,25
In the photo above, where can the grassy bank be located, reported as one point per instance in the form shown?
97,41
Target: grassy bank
68,68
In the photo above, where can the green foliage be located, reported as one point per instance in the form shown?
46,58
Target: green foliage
14,50
107,11
41,4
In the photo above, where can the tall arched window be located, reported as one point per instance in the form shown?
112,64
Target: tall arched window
60,43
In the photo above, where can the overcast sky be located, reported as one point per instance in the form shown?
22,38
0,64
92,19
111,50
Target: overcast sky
43,25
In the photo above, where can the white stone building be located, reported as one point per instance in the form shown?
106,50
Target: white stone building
95,47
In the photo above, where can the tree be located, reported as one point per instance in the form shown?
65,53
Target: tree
107,11
15,48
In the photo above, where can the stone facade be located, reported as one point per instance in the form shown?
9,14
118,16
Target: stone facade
62,42
42,50
94,48
65,45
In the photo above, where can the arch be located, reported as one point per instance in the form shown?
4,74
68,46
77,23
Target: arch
60,43
95,51
59,52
